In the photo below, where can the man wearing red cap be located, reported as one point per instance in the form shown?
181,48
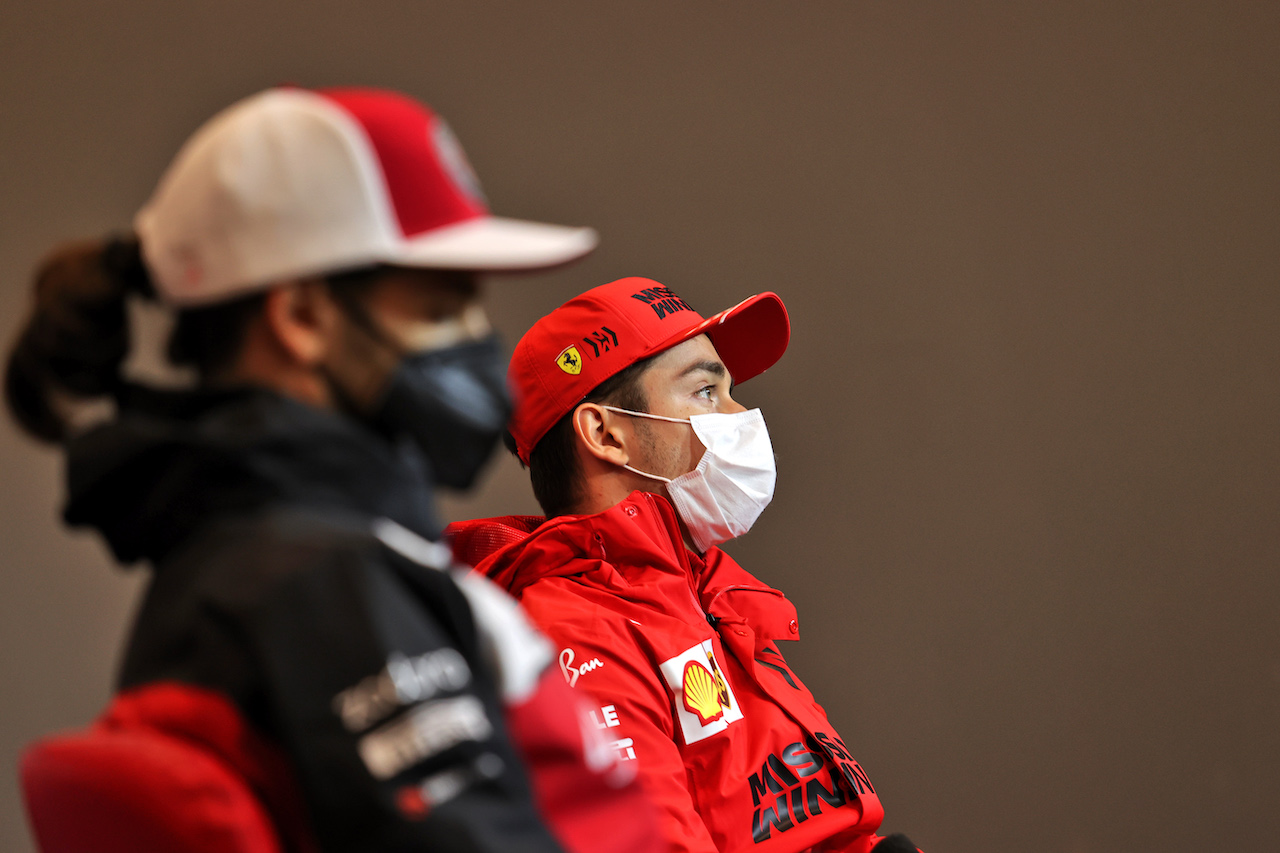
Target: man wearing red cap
644,463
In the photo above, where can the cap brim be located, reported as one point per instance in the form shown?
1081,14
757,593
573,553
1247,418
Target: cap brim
750,337
494,243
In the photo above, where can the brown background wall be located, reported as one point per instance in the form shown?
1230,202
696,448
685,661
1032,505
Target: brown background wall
1027,428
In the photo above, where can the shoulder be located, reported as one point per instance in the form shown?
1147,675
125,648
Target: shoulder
722,569
726,589
584,602
243,563
577,613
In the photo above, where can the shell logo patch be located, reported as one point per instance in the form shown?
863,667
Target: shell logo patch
701,696
570,360
704,701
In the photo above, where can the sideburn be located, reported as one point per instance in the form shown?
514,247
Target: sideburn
361,362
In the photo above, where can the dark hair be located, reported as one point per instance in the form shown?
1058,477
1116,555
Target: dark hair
209,339
554,471
77,335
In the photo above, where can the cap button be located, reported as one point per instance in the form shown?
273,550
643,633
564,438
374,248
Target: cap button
793,627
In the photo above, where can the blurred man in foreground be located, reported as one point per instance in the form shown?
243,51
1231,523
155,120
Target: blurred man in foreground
304,626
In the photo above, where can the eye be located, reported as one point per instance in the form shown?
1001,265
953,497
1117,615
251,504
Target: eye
705,392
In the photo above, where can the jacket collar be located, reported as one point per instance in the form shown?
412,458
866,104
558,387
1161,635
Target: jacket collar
638,535
173,461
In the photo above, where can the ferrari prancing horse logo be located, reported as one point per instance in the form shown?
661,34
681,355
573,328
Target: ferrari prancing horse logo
570,360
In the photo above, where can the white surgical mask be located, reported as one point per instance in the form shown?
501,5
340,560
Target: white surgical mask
733,482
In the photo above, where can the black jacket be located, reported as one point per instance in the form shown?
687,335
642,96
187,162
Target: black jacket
294,572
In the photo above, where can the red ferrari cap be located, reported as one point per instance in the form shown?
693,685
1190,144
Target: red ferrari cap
591,337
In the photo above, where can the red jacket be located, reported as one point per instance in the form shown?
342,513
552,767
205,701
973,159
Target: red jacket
680,653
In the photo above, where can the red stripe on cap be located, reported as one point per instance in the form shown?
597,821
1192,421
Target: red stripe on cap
424,193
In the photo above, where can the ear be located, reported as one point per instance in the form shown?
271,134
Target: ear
302,319
603,434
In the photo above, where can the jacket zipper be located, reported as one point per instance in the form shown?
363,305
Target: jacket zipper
683,558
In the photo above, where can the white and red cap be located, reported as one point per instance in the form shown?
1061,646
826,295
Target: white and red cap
591,337
294,182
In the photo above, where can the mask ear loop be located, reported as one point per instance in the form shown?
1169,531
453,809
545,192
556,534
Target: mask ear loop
646,415
660,479
620,411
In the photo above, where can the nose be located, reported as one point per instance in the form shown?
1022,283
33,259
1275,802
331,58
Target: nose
731,406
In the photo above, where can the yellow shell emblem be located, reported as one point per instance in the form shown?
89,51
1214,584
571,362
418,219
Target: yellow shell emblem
701,693
570,360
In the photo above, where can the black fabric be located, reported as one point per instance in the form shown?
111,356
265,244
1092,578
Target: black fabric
271,587
173,460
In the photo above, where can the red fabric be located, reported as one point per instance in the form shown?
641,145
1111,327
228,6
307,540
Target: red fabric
473,541
167,767
425,192
731,769
599,333
584,795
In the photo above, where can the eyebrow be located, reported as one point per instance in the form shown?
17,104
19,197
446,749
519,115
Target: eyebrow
715,368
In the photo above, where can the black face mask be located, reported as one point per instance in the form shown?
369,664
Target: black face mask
453,403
